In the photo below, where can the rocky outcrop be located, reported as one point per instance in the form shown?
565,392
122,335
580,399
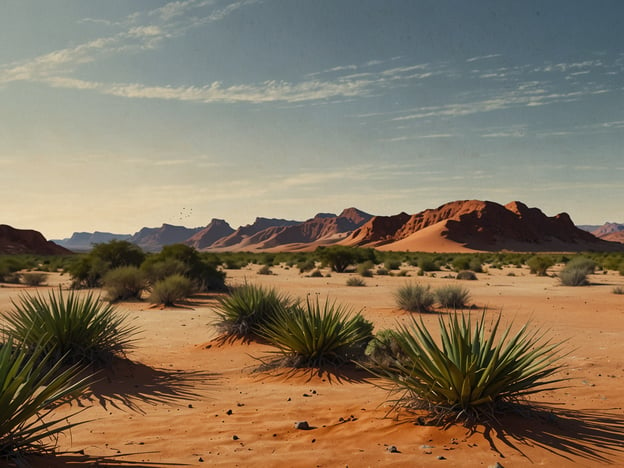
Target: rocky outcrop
154,239
216,229
27,241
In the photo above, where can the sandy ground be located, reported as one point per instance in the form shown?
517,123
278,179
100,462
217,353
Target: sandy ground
185,401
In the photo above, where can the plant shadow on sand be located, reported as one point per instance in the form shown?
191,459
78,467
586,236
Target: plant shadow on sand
79,459
595,435
128,384
279,368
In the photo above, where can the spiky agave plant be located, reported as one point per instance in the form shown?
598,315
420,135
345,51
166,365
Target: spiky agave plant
240,314
72,327
32,382
469,376
317,334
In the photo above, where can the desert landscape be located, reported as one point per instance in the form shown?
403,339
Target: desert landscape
184,398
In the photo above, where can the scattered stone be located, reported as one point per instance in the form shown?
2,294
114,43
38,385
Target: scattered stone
392,449
425,446
235,437
201,460
496,465
440,457
303,425
190,406
229,412
306,395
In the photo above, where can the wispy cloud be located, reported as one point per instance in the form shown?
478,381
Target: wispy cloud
482,57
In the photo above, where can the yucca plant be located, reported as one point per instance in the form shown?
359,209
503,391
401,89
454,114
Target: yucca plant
32,382
414,297
248,306
317,334
469,375
74,328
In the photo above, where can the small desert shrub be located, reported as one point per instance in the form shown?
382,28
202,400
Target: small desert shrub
34,278
403,273
72,328
539,264
470,375
452,296
155,269
573,275
384,349
365,269
618,290
466,275
265,270
392,264
249,306
170,290
582,264
382,272
317,334
124,283
414,297
316,274
306,265
32,382
355,281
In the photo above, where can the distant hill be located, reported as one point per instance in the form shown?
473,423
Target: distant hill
154,239
613,232
239,238
216,229
83,241
27,241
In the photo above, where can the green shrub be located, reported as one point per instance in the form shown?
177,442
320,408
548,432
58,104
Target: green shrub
470,375
32,384
317,334
392,264
581,263
316,274
355,281
452,296
339,257
466,275
88,270
382,272
539,264
156,268
265,270
365,269
573,277
248,306
427,263
461,262
414,297
72,328
34,278
172,289
124,283
306,265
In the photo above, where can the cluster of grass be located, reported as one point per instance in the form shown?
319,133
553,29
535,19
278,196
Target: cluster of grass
618,290
576,270
170,290
469,376
48,344
539,264
122,283
355,281
34,278
468,275
415,297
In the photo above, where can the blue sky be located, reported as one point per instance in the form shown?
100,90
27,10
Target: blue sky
118,115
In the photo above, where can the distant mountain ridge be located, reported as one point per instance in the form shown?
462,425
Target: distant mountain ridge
86,240
462,225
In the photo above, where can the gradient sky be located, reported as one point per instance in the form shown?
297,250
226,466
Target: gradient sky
121,114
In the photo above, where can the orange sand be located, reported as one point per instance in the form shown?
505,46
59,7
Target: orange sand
170,407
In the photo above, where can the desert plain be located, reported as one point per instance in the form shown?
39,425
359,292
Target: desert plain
184,399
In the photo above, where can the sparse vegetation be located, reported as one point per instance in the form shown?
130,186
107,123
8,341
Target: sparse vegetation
452,296
265,270
34,278
172,289
414,297
124,283
466,275
618,290
317,334
470,375
355,281
70,327
539,264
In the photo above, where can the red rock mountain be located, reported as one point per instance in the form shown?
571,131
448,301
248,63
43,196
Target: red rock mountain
324,228
216,229
27,241
613,232
240,237
477,225
153,239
